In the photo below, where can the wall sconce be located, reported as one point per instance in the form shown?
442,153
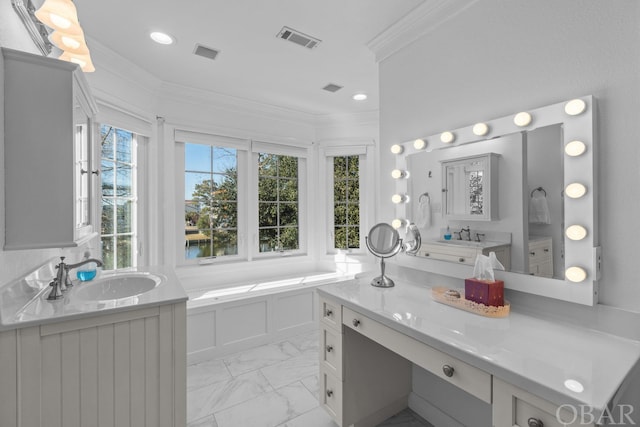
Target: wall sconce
575,148
480,129
575,274
447,137
398,223
522,119
576,232
397,149
399,198
419,144
575,190
575,107
399,174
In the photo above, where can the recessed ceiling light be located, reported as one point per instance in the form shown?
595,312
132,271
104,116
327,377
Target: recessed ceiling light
360,96
162,38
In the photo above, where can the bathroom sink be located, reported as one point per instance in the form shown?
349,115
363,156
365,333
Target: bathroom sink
465,243
116,287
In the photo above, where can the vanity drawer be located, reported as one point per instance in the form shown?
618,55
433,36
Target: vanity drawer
331,351
331,395
513,407
462,375
331,313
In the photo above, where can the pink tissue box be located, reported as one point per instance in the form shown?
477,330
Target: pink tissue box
485,292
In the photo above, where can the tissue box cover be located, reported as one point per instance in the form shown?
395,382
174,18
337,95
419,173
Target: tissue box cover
485,292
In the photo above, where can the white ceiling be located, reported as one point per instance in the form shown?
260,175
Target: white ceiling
253,64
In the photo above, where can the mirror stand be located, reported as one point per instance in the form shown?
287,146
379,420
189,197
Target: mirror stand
383,281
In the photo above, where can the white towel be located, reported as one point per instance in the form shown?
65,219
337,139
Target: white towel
423,217
539,210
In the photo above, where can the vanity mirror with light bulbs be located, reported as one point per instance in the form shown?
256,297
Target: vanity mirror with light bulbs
542,203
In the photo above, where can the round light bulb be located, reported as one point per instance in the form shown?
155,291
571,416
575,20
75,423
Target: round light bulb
397,149
575,148
397,174
573,385
161,38
447,137
360,96
419,144
480,129
575,274
575,190
399,198
398,223
522,119
576,232
575,107
59,21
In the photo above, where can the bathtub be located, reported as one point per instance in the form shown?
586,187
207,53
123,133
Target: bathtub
225,319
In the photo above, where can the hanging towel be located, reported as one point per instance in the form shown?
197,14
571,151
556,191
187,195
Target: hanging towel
539,209
423,217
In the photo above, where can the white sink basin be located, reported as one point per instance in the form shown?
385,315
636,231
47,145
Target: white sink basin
116,287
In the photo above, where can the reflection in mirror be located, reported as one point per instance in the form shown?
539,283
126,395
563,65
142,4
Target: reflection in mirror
383,241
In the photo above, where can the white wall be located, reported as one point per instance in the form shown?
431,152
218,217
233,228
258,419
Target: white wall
501,56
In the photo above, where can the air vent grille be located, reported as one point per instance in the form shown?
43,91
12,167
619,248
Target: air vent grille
206,52
332,87
298,38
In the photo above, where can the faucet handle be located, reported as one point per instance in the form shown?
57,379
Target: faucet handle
478,235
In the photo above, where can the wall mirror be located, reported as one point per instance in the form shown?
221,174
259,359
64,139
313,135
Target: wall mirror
542,204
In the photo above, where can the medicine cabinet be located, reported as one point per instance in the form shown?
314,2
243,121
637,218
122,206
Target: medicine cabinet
470,188
49,175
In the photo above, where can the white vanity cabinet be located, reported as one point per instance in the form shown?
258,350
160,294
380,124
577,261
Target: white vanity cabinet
464,254
541,256
118,369
49,175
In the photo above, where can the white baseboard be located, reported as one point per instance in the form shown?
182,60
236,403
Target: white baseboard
431,413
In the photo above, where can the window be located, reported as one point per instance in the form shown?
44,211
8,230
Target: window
346,202
118,219
210,201
278,211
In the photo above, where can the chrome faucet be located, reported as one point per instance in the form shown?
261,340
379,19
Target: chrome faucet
465,230
478,236
61,283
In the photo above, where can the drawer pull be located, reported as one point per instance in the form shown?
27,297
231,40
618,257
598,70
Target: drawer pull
448,370
328,313
356,323
330,393
532,253
329,348
426,254
546,250
534,422
461,259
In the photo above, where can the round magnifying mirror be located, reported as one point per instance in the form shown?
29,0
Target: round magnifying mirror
383,241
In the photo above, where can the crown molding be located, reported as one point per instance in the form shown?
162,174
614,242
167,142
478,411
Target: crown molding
415,24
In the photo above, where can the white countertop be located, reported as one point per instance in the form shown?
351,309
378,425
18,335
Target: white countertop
24,302
531,353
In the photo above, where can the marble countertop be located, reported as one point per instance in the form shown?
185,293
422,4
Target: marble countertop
529,352
24,302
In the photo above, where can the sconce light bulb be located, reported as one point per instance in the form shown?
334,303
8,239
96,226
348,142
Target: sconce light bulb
399,198
419,144
522,119
398,174
480,129
447,137
576,232
575,107
575,148
575,274
397,149
574,385
575,190
398,223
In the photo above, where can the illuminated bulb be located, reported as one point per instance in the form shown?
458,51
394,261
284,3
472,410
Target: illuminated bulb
575,190
480,129
398,223
575,148
69,42
397,149
161,38
575,107
60,15
399,198
447,137
419,144
574,385
83,60
397,174
575,274
576,232
522,119
359,96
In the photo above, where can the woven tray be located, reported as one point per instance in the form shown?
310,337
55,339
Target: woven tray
438,294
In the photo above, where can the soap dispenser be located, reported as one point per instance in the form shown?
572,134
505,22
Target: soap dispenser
447,234
87,271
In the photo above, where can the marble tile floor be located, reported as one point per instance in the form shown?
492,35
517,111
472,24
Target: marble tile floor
274,385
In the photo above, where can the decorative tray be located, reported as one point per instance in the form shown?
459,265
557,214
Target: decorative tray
439,294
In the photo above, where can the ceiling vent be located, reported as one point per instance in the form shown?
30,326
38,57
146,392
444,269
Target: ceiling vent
298,38
205,52
331,87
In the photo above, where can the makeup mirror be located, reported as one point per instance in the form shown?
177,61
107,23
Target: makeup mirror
383,241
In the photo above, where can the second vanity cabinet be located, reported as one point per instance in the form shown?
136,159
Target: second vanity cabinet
541,256
464,254
49,176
